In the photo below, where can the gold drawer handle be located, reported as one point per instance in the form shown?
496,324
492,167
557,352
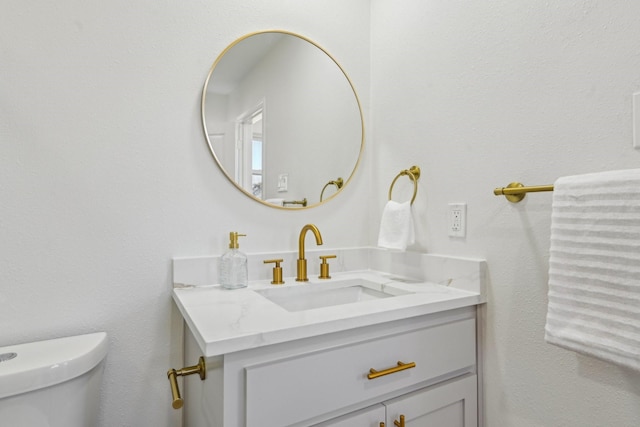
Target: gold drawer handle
401,367
399,423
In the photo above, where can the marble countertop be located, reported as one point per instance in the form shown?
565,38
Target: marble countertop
224,321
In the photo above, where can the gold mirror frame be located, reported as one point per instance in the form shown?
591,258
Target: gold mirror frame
220,165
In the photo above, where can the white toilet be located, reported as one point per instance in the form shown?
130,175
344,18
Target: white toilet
54,383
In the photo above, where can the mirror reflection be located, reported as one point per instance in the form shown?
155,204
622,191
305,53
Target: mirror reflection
282,120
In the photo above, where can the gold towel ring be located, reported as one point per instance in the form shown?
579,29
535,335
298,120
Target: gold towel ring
414,173
338,183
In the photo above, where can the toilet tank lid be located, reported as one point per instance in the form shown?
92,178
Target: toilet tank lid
31,366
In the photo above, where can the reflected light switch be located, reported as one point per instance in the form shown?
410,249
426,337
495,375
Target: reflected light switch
283,182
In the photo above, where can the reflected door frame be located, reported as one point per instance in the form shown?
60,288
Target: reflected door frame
246,125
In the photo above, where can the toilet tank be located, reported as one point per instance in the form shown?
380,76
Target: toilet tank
53,383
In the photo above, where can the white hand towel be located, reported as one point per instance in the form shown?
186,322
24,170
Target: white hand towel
594,266
279,202
396,226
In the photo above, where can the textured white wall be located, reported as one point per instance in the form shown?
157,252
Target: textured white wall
483,93
105,175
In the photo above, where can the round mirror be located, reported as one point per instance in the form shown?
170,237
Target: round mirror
282,120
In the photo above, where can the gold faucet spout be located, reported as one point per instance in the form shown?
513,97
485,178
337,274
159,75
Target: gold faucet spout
303,233
302,262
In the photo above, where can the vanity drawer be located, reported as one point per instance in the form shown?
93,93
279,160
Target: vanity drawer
291,390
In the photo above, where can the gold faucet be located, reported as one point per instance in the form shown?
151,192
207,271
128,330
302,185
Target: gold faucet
302,261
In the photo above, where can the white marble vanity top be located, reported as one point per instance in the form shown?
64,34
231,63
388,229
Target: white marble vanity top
224,321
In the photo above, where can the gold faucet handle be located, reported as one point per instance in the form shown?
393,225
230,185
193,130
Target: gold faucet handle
324,266
277,271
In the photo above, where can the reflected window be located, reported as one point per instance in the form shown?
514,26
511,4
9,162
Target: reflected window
256,154
256,167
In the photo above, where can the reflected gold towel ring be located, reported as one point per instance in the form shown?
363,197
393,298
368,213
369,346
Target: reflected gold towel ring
338,183
414,173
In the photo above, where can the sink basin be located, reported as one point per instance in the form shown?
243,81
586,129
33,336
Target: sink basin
310,296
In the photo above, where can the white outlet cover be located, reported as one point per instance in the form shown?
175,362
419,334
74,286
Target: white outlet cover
457,220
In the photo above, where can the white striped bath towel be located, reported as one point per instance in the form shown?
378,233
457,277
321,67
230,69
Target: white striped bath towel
594,266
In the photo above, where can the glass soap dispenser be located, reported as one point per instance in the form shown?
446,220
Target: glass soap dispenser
233,265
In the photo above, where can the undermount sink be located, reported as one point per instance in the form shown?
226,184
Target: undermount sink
318,295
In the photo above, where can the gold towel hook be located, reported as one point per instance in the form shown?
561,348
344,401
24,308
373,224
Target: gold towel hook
414,173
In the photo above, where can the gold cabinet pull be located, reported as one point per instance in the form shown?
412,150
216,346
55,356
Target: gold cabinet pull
401,367
173,375
381,424
399,423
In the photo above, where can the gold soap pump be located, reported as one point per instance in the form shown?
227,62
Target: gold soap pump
233,265
233,239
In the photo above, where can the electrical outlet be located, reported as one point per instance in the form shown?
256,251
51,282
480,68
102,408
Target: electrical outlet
457,219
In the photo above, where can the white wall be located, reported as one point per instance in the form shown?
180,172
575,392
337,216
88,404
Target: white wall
483,93
105,174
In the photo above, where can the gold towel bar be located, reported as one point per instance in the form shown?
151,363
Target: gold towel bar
516,191
302,202
414,173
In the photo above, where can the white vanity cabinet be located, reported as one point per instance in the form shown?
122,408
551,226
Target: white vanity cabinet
323,380
453,404
372,416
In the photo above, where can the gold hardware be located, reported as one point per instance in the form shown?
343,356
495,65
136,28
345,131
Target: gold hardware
302,261
302,202
233,239
277,271
381,424
373,374
516,191
399,424
414,174
324,266
338,183
173,375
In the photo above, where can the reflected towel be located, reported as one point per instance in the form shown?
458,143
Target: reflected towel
396,226
279,202
594,266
